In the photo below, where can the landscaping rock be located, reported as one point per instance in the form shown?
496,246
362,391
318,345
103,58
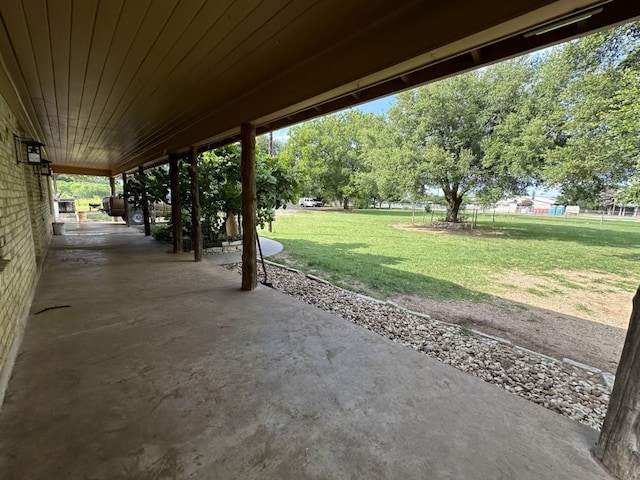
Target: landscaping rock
451,225
564,387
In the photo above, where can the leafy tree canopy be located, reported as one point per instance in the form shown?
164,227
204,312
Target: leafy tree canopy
82,186
568,119
591,92
330,154
220,188
454,133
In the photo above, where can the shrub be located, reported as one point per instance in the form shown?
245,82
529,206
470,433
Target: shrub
162,233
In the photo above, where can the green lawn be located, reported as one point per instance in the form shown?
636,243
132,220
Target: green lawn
362,247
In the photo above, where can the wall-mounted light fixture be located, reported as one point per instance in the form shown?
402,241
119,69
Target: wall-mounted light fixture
564,21
28,150
45,168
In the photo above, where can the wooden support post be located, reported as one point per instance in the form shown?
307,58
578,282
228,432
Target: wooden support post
617,446
249,201
112,186
195,206
176,205
125,195
145,202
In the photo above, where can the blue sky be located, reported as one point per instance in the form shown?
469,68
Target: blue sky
379,106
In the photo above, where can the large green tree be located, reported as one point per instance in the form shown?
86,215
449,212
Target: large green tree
590,90
453,133
330,154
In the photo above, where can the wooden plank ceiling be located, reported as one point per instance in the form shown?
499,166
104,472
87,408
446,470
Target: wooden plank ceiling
109,85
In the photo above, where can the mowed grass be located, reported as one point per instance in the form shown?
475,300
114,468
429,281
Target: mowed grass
362,250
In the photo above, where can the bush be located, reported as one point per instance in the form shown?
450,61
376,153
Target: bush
162,233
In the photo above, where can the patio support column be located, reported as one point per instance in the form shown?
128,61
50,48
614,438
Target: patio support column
249,201
195,206
617,446
145,202
176,207
125,195
112,186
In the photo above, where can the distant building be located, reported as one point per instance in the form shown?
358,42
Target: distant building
535,206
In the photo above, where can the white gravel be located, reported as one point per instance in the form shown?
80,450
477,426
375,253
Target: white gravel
562,388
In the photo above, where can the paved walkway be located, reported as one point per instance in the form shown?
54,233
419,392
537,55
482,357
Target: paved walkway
138,363
269,248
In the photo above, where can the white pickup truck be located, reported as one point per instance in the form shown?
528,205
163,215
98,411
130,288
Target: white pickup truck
114,207
310,202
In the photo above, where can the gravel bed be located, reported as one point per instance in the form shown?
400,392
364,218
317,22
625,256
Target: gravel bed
561,388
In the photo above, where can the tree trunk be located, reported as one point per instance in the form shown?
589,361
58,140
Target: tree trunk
112,186
145,202
196,221
345,203
453,206
176,207
249,202
125,195
618,444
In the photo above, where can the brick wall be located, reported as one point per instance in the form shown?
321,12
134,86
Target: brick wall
39,209
25,232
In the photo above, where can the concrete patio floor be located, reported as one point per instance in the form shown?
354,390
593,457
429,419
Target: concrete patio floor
150,366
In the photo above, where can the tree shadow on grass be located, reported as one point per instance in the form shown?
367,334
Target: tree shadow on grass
540,329
389,213
345,263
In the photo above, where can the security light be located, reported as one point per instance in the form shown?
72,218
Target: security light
563,22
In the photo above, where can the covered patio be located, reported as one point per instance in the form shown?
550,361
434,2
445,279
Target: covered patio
131,362
184,378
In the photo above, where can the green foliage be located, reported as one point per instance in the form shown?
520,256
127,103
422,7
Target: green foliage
220,189
157,186
268,145
568,119
631,193
82,186
455,134
330,154
592,93
388,175
161,232
488,197
277,185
